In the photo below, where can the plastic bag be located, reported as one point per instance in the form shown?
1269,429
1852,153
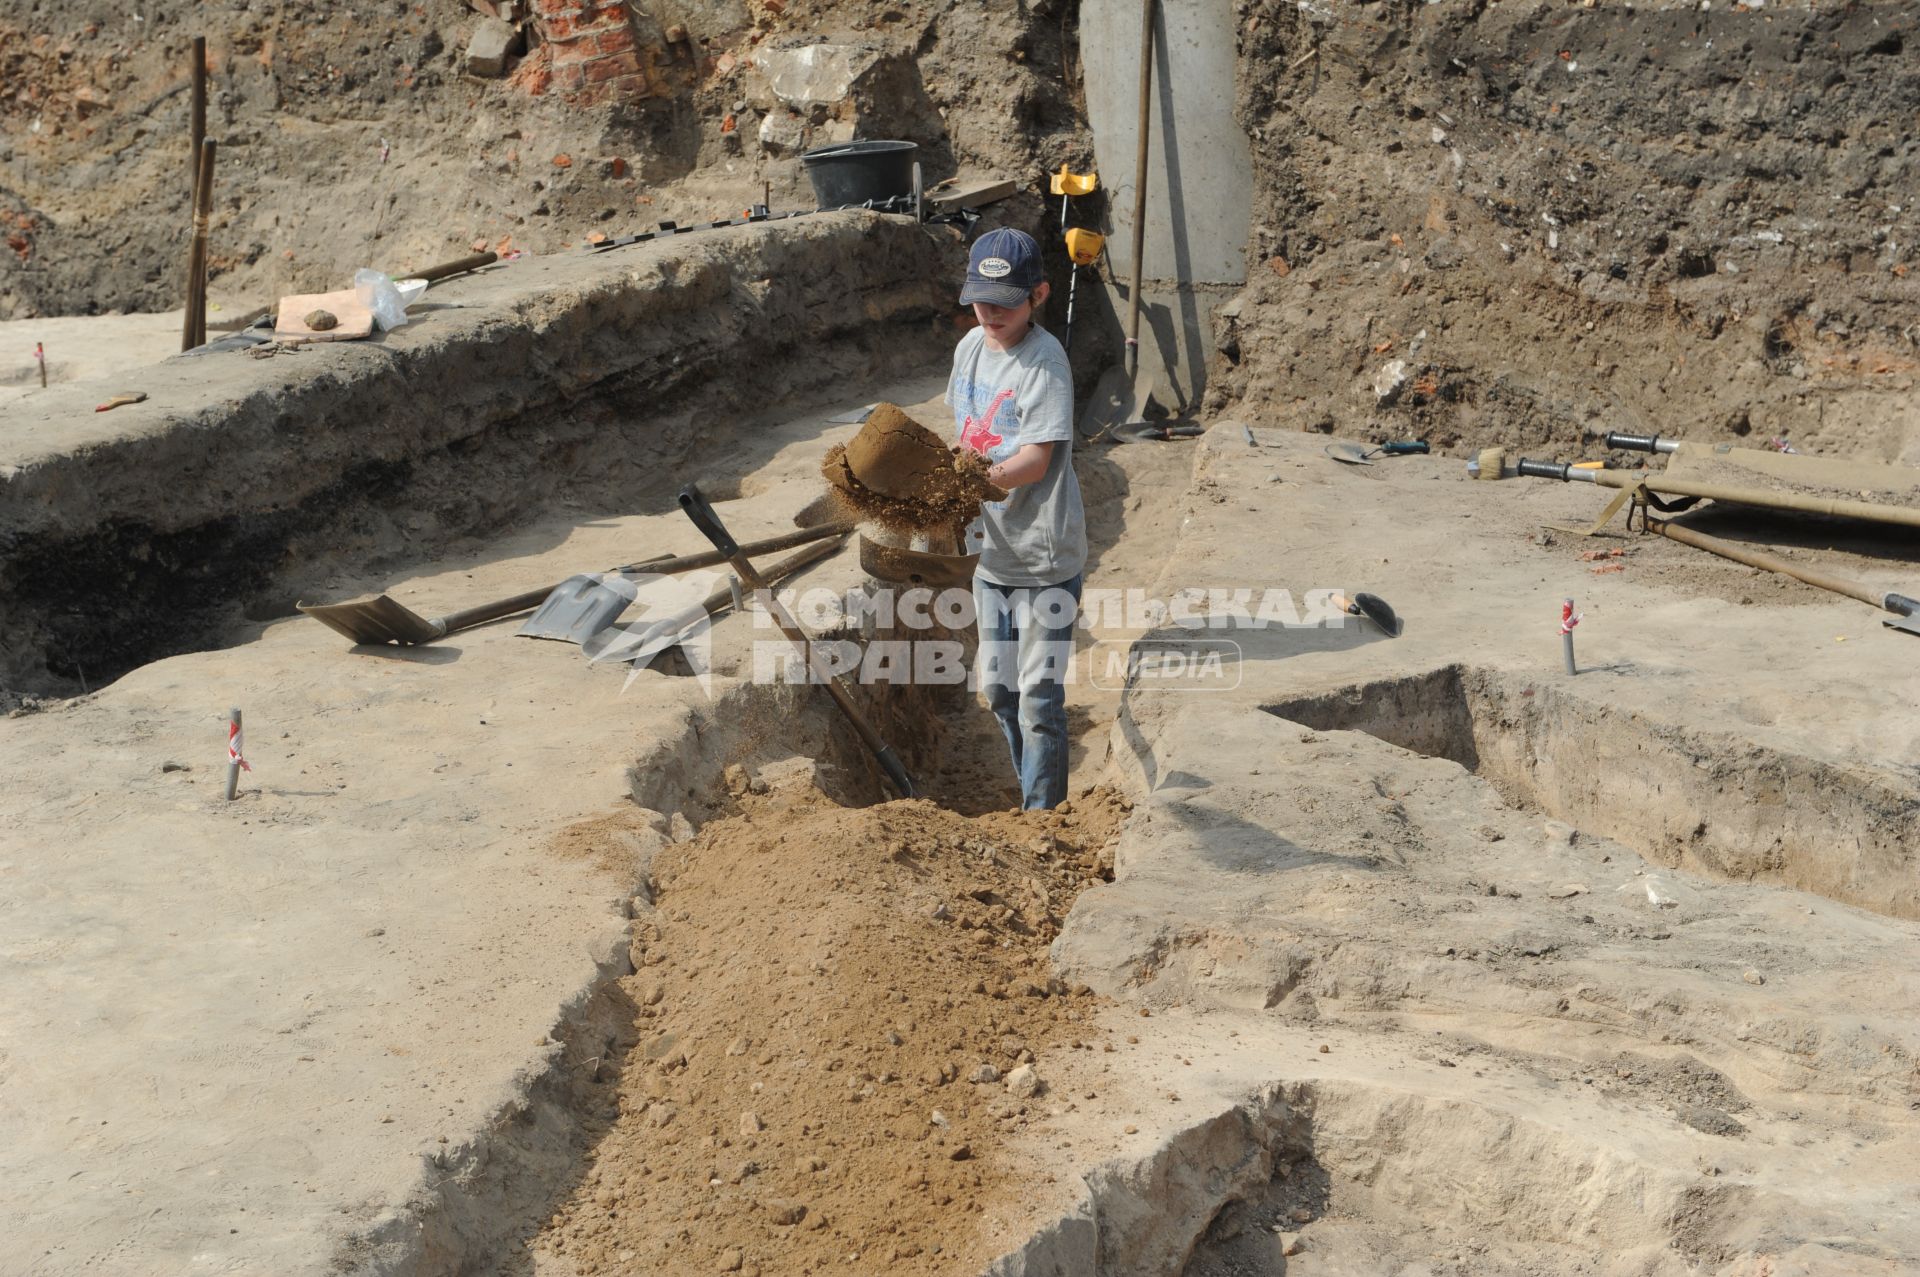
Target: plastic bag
378,294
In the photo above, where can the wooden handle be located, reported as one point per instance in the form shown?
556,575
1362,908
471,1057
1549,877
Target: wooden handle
480,615
1767,562
1140,184
460,267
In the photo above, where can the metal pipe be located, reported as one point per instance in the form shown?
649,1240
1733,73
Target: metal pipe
234,755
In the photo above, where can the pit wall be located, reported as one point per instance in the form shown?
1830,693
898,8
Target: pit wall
597,380
1418,1165
476,1201
1707,802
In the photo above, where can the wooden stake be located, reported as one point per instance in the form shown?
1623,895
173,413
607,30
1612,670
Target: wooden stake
40,357
197,129
193,329
193,323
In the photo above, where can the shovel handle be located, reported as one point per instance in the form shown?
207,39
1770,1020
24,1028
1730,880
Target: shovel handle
694,502
1406,448
1631,443
448,269
698,509
1528,469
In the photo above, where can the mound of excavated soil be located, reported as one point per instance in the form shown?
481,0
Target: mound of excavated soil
826,1006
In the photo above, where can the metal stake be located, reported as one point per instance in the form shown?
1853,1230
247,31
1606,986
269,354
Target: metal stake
40,357
234,761
1568,620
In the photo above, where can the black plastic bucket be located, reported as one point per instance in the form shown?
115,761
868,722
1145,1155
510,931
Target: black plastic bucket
855,172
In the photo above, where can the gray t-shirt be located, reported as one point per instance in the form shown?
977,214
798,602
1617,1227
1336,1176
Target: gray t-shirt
1001,401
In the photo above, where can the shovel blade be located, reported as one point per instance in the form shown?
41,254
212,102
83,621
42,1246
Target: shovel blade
1118,400
580,607
1911,624
1351,453
375,620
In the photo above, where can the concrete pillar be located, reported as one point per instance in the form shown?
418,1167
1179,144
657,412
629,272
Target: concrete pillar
1199,172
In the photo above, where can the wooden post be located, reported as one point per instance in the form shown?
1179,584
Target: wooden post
190,335
193,329
40,357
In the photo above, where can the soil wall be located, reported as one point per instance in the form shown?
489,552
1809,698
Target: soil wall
599,382
1526,222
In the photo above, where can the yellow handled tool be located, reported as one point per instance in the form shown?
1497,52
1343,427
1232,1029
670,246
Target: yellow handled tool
1083,246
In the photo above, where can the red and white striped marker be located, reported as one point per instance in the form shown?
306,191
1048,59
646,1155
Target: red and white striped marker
236,760
1568,619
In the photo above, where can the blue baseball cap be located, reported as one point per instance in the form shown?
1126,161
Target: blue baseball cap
1003,269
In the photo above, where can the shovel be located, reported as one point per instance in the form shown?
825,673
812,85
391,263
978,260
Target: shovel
1123,393
1355,455
1154,432
584,605
1903,613
637,645
697,508
381,620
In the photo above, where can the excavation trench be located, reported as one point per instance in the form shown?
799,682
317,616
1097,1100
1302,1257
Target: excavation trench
1382,1181
813,970
1707,802
590,384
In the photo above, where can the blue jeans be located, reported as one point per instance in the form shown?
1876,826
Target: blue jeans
1026,654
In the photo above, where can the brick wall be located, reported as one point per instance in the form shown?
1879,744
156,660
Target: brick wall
592,48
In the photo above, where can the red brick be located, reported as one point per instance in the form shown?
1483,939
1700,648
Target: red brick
618,40
605,71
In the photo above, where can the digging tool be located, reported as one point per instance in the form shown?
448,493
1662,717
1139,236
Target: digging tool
1155,432
447,270
1904,610
583,605
1630,482
1373,608
1687,458
697,508
381,620
638,646
1124,392
1355,455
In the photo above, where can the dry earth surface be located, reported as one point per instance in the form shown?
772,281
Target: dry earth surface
1408,956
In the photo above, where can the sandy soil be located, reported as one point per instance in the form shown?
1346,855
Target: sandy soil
832,1011
1405,955
83,347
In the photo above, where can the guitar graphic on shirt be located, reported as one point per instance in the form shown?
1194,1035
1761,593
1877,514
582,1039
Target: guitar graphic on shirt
977,433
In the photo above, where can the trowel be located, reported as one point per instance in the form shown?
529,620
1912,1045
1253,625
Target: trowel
1373,608
1355,455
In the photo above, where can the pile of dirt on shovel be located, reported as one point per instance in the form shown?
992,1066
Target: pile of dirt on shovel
927,488
827,1006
